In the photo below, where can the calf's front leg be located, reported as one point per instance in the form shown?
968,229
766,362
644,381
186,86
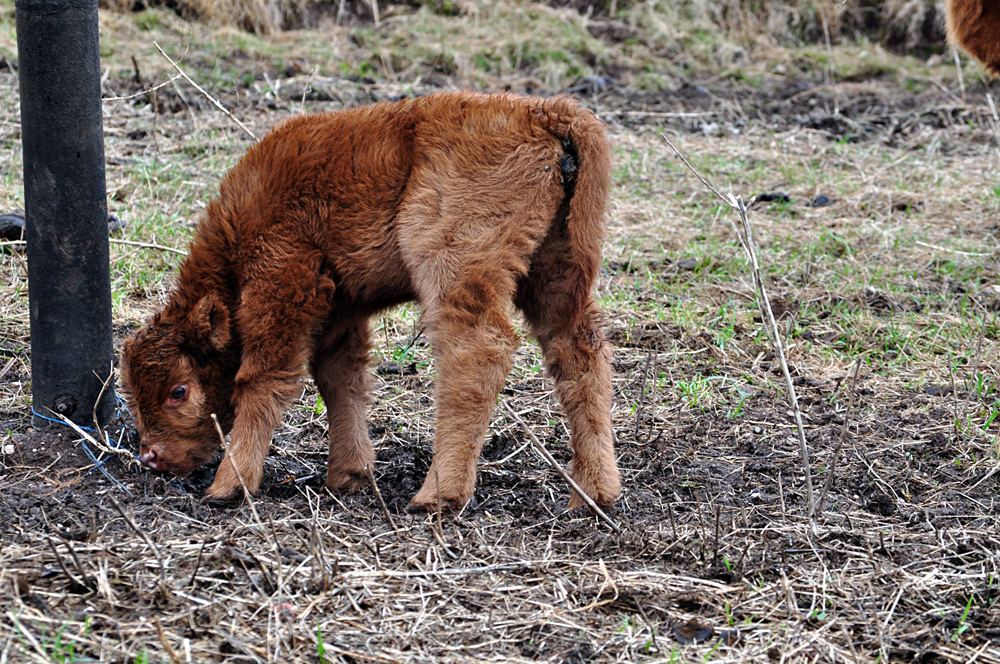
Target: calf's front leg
278,315
260,401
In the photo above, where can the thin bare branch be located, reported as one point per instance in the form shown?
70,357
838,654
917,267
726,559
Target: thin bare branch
767,316
147,91
212,99
555,465
147,245
840,443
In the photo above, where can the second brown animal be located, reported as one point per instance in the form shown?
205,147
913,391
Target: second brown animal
471,204
975,26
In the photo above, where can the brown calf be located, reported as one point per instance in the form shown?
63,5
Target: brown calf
466,202
975,26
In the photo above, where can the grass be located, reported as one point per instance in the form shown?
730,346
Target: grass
899,272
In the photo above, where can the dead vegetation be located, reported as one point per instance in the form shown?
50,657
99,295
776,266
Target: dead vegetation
258,16
901,24
878,244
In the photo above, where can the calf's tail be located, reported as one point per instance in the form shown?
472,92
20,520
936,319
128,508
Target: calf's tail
586,168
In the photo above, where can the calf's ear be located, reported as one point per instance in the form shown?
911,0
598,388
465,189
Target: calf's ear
208,323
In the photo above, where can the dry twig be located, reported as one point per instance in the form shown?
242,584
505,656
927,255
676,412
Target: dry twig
147,245
149,542
246,492
147,91
555,465
840,443
378,496
212,99
767,315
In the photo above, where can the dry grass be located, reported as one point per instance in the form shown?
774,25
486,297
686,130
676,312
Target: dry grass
263,17
716,561
902,24
271,591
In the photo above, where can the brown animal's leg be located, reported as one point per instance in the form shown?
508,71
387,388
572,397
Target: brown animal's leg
578,357
478,207
260,401
340,368
474,344
277,317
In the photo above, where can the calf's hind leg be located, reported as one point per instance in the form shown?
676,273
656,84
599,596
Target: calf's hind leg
578,358
340,368
466,244
474,344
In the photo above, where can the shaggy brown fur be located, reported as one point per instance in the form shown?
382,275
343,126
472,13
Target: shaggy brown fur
975,26
468,203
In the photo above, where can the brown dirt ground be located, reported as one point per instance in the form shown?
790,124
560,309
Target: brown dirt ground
715,559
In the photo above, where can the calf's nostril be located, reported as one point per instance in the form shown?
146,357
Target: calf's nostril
149,457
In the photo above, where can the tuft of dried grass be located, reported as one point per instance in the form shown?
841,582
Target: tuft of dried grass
900,24
258,16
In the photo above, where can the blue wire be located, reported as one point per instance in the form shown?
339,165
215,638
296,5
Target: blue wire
99,465
52,419
122,406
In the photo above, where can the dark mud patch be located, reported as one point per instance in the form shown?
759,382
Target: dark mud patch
852,111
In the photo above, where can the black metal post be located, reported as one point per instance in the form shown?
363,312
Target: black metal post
66,217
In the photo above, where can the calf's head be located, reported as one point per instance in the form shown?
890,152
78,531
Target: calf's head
177,371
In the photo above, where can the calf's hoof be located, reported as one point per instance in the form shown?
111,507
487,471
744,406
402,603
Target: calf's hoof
421,504
452,495
222,497
227,488
604,496
348,466
348,481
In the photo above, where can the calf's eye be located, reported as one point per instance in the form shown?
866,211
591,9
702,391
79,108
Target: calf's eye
178,392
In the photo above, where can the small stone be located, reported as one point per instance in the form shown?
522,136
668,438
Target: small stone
388,368
774,197
8,449
687,263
